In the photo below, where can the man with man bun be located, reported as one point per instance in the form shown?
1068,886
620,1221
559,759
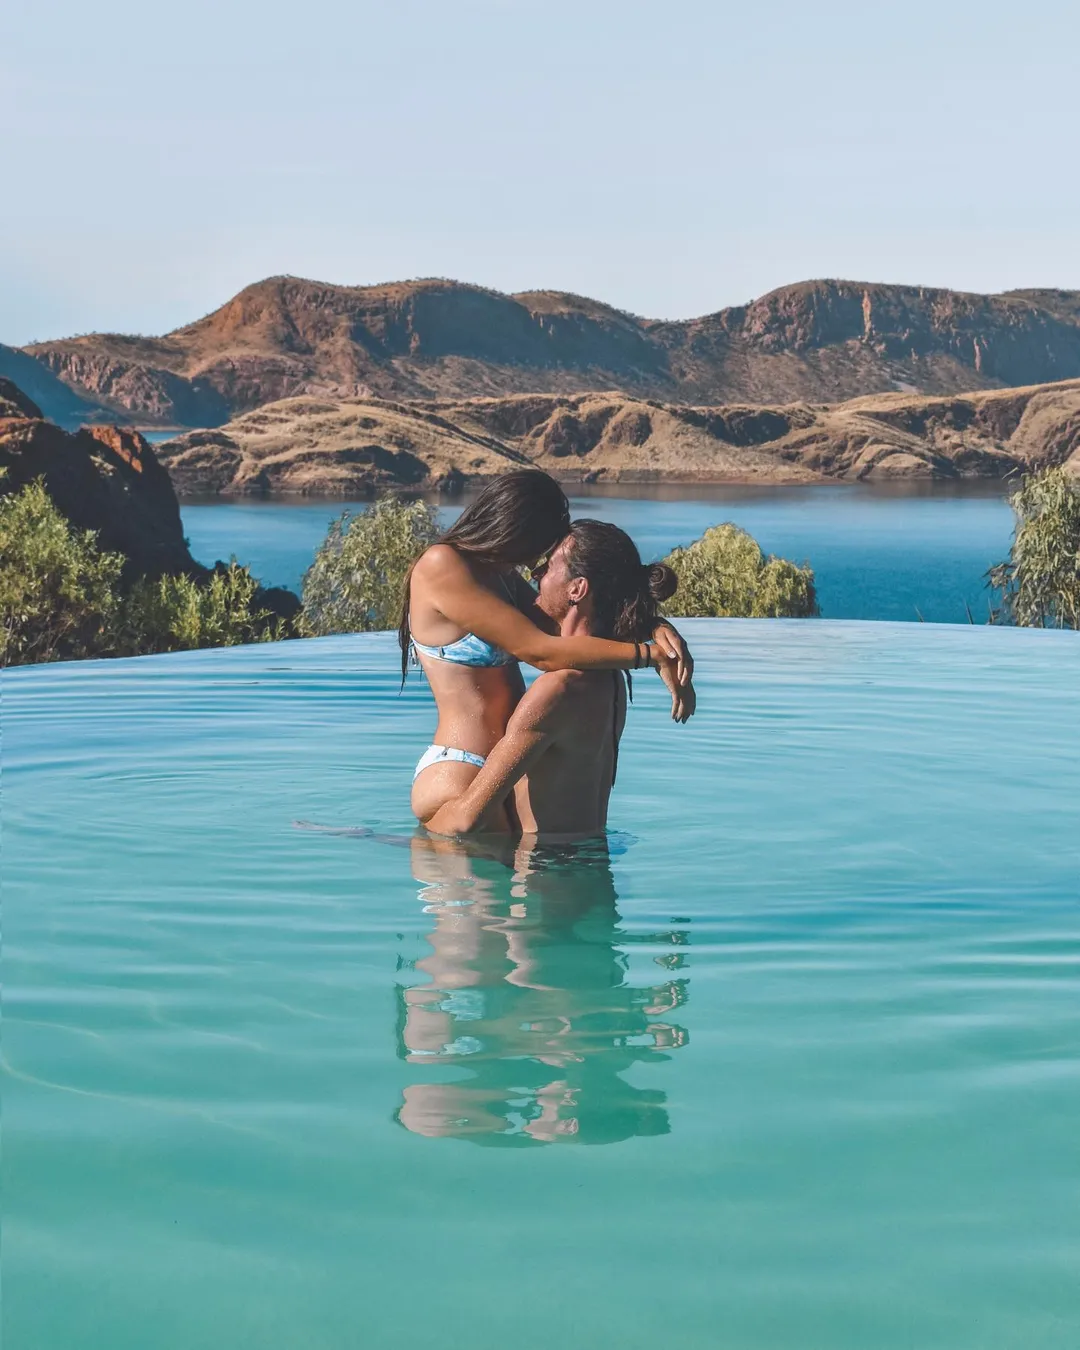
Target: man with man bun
552,772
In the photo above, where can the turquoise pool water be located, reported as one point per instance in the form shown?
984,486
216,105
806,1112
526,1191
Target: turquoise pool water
794,1064
877,553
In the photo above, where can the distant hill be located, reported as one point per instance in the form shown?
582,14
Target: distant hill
346,447
37,381
818,341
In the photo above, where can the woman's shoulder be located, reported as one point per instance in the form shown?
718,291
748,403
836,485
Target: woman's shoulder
440,560
443,562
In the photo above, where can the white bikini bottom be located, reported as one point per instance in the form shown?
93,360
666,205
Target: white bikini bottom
443,754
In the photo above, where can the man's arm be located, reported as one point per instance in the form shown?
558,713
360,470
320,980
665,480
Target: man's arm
537,722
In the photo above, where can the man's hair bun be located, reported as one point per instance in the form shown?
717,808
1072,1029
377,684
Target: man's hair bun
662,581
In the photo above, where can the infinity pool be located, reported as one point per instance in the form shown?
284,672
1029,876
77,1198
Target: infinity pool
792,1062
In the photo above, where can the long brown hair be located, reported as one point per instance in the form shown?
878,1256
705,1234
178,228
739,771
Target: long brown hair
513,520
626,593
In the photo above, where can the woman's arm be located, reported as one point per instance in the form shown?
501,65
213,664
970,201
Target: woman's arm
665,633
470,606
673,641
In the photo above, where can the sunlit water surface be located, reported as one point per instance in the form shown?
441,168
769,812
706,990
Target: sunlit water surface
792,1063
907,552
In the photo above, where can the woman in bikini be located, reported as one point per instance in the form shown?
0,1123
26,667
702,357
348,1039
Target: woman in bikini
470,617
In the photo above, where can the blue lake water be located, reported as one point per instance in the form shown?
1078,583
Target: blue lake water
876,553
794,1063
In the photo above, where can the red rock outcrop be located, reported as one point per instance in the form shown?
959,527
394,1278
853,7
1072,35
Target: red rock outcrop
102,478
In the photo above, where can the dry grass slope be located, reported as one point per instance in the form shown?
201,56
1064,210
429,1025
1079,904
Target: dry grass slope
348,446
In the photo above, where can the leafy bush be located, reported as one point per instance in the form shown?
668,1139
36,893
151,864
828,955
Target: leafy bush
58,591
355,583
724,574
1040,583
61,597
175,614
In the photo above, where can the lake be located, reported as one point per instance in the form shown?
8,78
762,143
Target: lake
789,1062
877,553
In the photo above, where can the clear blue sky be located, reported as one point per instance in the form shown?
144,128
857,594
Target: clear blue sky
670,158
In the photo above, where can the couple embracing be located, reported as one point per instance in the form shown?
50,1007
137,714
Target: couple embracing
542,761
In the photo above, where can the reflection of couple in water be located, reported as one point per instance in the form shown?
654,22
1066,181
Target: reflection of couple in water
541,762
527,993
527,983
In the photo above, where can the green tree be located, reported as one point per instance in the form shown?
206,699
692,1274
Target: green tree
355,582
1040,582
58,591
724,574
62,597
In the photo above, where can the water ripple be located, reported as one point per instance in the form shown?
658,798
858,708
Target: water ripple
817,1015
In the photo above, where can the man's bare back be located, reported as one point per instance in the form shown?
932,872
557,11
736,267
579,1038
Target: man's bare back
566,789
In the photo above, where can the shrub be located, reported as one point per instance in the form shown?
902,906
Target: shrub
355,582
724,574
61,597
175,613
58,590
1040,583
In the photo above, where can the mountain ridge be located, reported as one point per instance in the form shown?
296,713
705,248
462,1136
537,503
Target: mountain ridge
815,341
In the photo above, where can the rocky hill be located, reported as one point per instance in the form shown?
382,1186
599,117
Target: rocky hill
37,381
819,341
14,403
348,447
102,478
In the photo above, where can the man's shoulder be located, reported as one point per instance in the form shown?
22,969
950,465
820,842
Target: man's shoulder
567,683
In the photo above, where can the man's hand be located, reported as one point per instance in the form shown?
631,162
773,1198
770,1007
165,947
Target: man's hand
450,820
683,697
671,640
